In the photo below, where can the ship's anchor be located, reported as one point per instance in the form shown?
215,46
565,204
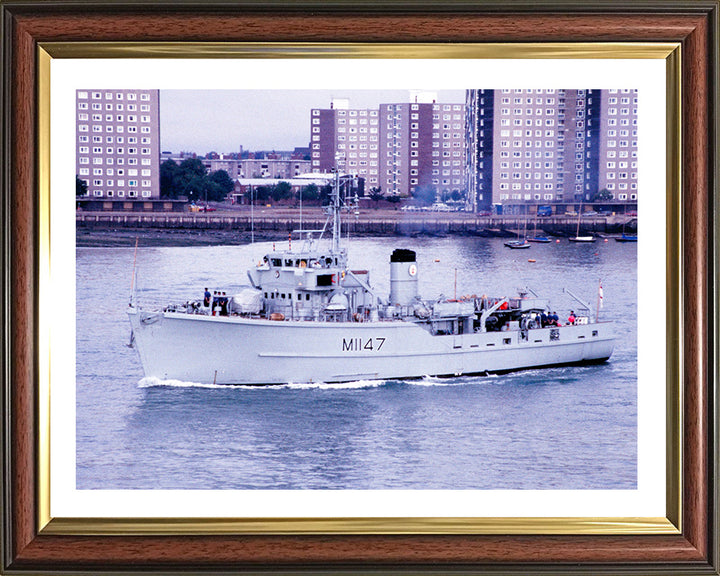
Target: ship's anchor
131,344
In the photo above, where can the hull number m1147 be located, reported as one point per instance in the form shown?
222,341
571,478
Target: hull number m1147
360,344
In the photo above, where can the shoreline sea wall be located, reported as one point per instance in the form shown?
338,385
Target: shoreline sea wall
366,225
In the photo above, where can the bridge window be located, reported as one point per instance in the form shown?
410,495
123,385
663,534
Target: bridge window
324,279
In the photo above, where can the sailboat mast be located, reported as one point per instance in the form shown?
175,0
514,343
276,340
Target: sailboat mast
577,232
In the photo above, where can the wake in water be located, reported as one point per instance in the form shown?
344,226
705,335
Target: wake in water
152,382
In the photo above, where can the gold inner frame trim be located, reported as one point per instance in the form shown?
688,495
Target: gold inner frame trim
394,525
567,50
385,526
674,309
44,302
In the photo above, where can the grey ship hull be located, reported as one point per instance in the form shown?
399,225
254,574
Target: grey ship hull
238,350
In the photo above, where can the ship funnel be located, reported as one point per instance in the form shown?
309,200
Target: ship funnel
403,277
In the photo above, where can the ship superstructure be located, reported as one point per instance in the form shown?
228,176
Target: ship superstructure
309,317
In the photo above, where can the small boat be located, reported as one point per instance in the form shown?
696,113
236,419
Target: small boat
626,237
515,244
535,237
577,237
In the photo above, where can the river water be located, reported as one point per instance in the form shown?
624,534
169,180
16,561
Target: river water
556,428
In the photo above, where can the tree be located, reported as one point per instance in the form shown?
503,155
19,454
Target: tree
281,191
325,194
169,171
81,187
602,196
220,185
310,192
376,194
394,199
190,178
262,193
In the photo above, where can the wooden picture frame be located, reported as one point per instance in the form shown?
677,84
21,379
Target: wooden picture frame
31,545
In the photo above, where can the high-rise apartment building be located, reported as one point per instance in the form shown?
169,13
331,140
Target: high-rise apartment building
422,145
551,146
398,147
118,143
345,138
618,157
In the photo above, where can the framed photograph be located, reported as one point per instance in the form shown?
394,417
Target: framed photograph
134,439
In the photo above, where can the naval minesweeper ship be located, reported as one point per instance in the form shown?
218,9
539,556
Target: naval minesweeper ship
309,317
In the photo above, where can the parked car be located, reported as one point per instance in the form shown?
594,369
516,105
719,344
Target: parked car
544,211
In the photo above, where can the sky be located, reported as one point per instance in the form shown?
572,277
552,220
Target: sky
224,120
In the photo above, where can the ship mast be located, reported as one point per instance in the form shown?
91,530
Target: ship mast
336,212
